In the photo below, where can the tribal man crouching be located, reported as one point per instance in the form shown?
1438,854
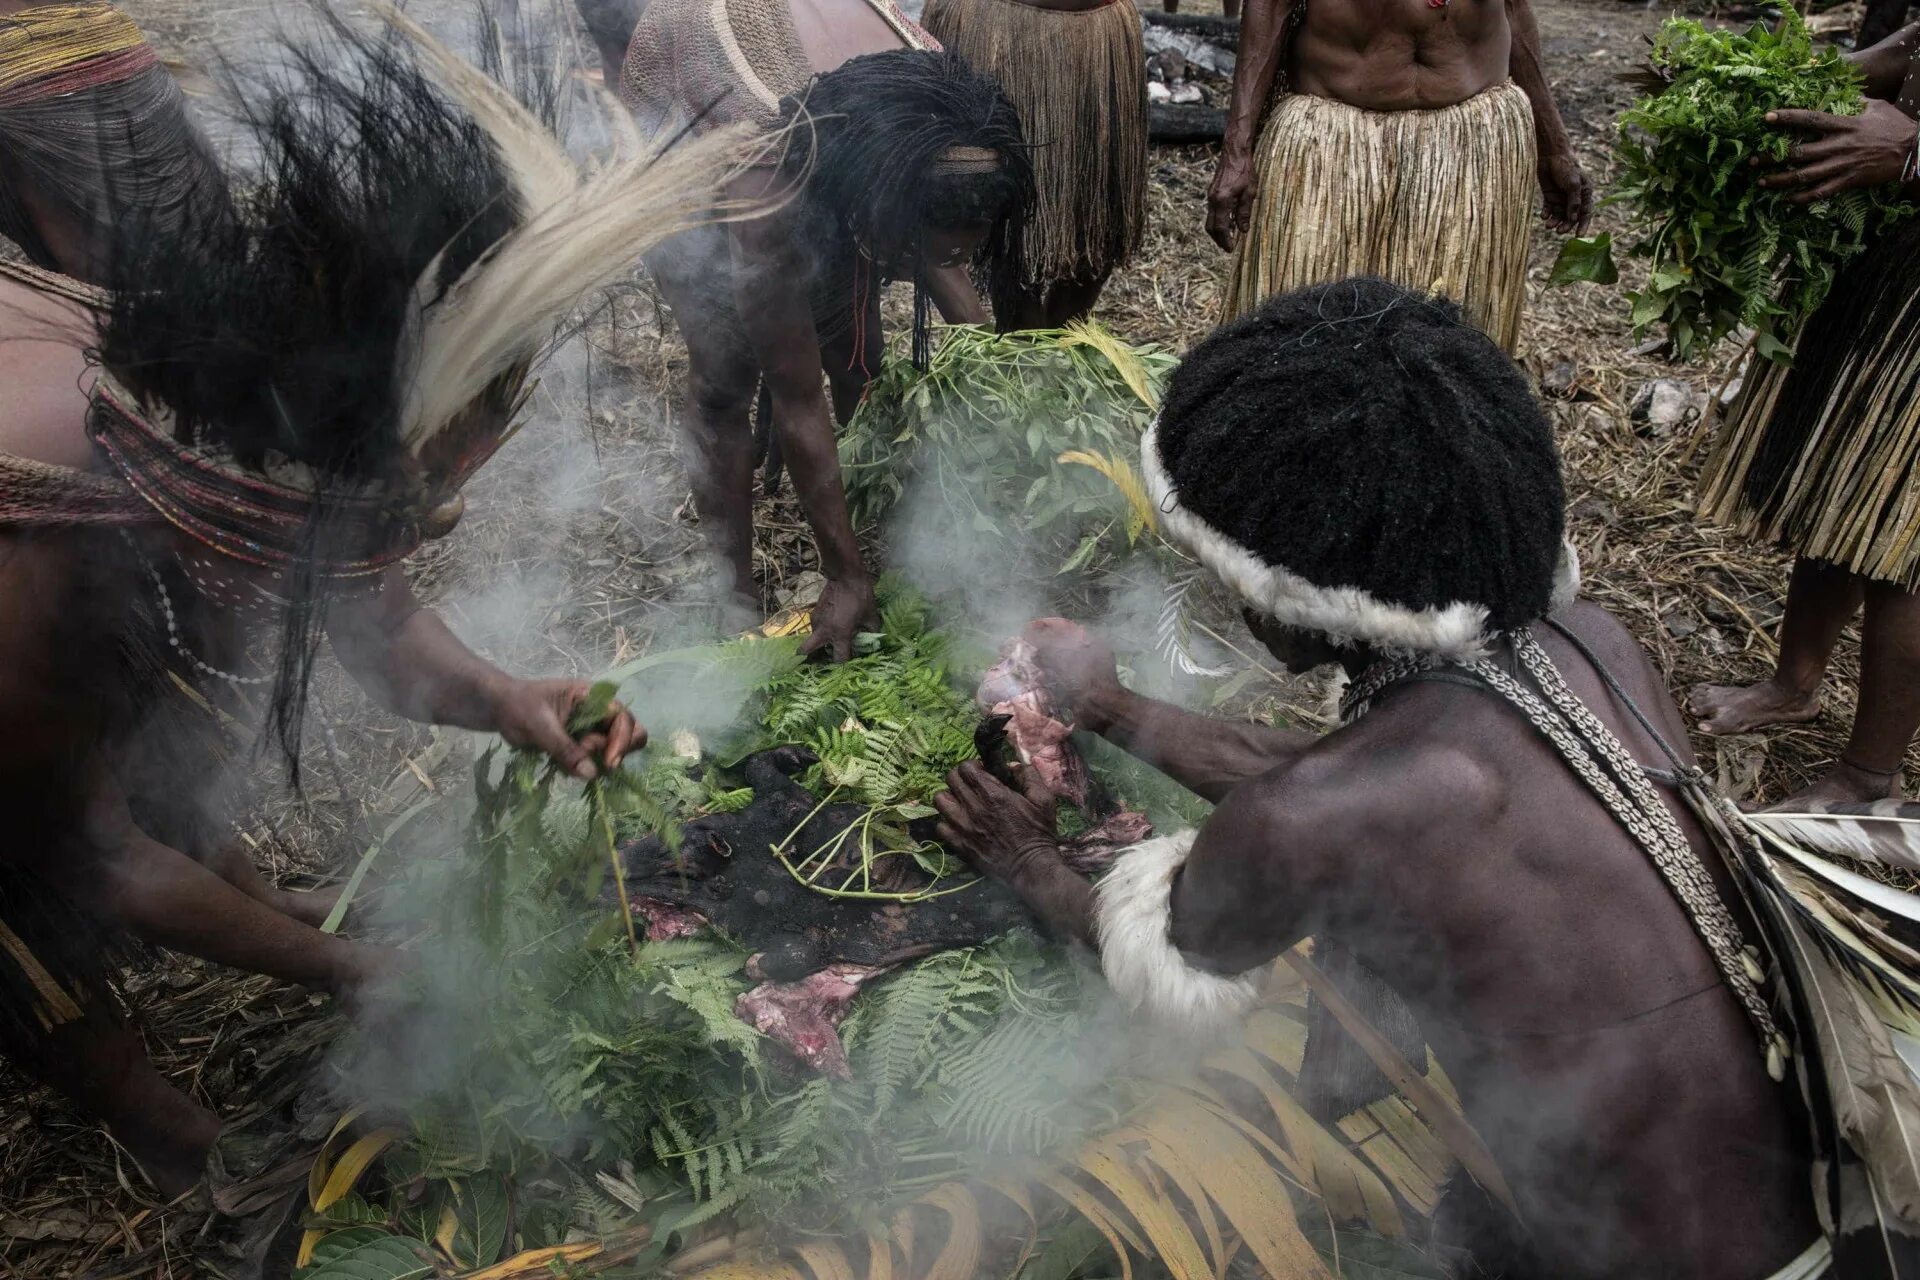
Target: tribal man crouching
1371,476
292,392
907,164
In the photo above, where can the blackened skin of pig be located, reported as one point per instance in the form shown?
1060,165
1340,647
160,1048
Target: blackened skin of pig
727,872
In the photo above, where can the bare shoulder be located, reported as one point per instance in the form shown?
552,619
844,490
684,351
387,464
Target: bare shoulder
1283,851
1389,781
44,367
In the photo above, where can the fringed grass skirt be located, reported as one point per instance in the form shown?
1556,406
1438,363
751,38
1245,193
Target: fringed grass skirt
1822,457
1440,201
1079,82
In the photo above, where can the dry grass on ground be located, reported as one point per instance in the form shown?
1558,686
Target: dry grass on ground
1702,600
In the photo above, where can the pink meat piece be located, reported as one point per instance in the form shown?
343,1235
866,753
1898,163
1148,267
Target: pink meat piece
804,1016
664,920
1012,687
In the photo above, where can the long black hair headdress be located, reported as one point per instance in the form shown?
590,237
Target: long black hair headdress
349,342
907,139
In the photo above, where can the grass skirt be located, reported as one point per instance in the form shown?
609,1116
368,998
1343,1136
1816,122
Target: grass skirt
1440,201
1079,83
1822,457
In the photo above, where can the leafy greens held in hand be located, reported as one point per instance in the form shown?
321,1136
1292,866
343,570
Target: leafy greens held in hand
1726,253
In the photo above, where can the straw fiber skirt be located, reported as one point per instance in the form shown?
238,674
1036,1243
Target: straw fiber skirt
1440,201
1821,457
1079,82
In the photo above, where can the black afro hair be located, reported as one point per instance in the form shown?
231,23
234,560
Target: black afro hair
1360,435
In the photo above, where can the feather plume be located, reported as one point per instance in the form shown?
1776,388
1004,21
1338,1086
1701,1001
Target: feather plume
1885,833
536,163
508,301
1874,1095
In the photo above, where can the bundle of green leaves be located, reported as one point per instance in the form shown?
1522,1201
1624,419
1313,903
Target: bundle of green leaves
982,431
1725,253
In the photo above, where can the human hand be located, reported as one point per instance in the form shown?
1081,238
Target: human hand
1230,197
534,713
1566,193
996,830
1845,153
1077,666
846,607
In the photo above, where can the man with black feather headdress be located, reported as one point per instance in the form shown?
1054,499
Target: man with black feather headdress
898,163
1507,826
208,470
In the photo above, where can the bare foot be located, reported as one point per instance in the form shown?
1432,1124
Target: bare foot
311,907
1842,784
1728,708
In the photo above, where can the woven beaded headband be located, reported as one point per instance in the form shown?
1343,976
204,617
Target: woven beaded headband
235,511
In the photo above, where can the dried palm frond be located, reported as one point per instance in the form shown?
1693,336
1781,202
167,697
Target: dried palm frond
1189,1181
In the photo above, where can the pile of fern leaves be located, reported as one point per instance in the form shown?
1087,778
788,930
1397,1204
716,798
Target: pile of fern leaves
601,1086
978,440
1725,253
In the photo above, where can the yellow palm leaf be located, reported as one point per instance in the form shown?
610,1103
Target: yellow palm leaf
879,1258
1140,511
749,1269
959,1256
1242,1184
826,1261
1188,1179
1172,1241
1023,1199
1119,1235
1118,354
1351,1190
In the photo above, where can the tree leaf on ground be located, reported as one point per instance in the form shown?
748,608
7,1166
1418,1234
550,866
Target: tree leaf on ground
386,1258
1586,260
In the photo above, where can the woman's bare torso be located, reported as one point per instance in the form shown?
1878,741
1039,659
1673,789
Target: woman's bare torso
1401,55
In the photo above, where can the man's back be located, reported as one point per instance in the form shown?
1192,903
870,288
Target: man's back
1555,974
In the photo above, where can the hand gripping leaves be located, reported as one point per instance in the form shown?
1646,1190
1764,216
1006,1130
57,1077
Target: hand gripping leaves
1723,252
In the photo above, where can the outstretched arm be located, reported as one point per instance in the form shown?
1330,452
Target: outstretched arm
1263,51
1569,197
955,297
1885,64
407,660
1207,756
778,319
1232,895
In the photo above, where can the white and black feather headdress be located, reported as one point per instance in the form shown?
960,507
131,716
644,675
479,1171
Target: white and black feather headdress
1358,461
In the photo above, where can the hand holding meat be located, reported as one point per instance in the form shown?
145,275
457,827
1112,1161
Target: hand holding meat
1076,666
1845,153
1000,832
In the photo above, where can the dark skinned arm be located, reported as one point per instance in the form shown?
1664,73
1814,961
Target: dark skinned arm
1568,195
1263,51
778,319
955,297
409,662
1885,64
1206,755
1242,898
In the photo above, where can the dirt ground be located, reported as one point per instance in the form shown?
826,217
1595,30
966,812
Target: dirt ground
617,544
